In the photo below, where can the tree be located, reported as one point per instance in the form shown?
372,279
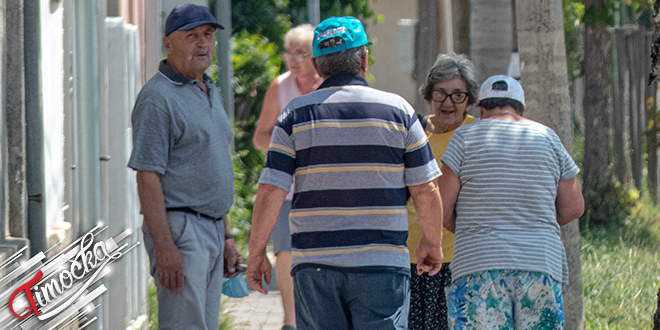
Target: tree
491,32
596,174
273,18
545,79
427,45
655,75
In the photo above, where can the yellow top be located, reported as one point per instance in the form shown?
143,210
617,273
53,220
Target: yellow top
438,143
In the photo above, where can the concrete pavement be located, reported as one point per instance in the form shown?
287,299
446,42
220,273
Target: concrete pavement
257,311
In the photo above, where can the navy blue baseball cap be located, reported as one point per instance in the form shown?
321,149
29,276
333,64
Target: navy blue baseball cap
187,17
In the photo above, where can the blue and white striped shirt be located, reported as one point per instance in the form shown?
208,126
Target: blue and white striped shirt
505,212
352,150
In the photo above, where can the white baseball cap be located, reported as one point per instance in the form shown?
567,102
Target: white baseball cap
503,87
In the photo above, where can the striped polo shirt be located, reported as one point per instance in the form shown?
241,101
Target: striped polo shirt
505,212
352,149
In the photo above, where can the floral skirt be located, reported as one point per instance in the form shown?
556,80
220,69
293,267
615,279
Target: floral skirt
505,299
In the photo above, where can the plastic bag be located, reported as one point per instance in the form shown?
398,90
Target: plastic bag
235,287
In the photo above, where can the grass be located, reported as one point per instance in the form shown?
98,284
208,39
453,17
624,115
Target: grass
621,271
620,286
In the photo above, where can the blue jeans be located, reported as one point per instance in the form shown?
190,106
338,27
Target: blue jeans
330,299
197,305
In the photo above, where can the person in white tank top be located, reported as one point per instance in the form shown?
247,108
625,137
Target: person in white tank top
299,80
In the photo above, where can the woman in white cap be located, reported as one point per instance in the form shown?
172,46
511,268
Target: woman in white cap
508,184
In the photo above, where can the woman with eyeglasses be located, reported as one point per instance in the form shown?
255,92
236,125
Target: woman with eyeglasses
450,90
299,80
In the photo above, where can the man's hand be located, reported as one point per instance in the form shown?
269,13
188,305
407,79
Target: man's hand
429,257
267,206
259,265
169,260
169,267
428,205
233,259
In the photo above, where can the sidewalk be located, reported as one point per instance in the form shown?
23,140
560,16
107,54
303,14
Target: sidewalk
256,311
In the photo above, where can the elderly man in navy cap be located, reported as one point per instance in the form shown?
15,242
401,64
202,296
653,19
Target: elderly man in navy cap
181,152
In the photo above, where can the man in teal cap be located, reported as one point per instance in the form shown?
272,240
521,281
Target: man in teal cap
354,150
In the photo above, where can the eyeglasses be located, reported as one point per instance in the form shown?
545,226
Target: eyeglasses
441,96
295,57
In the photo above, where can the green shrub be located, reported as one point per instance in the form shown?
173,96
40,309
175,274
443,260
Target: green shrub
256,64
152,300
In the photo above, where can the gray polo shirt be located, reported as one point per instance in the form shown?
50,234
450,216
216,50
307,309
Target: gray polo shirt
185,135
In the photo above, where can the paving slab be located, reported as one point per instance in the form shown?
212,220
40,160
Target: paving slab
256,311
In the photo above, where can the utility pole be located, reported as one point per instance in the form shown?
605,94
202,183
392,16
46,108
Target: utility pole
313,12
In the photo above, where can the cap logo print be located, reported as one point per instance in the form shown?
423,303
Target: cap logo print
331,32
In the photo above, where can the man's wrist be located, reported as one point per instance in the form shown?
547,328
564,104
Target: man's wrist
229,236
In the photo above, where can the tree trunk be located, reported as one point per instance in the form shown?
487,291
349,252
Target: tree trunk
636,106
427,45
656,316
655,75
545,80
652,141
491,26
647,126
620,110
596,121
461,22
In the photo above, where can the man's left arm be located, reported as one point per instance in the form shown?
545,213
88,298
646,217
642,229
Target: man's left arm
428,205
450,186
266,210
231,253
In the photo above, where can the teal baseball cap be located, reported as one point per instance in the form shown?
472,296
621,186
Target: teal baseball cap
338,33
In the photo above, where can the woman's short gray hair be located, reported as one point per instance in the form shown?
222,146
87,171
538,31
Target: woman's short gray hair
301,34
448,67
343,61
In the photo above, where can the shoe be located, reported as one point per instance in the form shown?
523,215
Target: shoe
288,327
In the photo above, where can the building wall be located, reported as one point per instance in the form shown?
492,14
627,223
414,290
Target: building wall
388,74
52,64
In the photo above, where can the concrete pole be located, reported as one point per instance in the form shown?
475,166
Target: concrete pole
4,187
313,12
448,25
225,65
34,138
86,103
15,115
